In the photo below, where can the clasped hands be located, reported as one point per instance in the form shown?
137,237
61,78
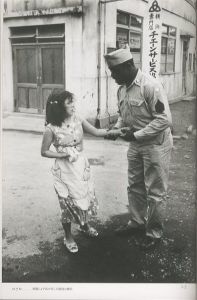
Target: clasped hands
126,133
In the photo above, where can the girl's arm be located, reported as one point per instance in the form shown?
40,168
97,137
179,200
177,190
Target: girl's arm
87,127
46,143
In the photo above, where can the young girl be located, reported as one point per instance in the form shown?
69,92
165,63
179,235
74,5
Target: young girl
71,170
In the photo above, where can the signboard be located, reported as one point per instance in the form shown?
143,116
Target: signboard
154,37
44,12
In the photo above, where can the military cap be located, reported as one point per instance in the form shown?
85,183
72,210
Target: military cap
118,57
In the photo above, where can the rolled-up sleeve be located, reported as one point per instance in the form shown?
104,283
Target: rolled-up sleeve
157,104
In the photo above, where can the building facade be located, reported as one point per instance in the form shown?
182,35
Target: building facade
60,44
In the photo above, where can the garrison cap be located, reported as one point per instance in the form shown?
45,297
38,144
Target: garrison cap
118,57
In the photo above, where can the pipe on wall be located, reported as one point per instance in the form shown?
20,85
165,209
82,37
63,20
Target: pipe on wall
100,3
97,124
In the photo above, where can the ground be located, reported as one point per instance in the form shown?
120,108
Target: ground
32,234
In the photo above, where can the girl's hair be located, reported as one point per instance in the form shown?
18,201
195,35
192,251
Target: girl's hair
55,109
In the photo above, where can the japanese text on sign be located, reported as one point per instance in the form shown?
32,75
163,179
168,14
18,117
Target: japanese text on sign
154,37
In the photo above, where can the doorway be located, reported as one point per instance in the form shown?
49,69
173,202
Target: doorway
38,65
38,70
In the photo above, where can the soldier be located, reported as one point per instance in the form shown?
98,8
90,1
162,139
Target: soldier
144,110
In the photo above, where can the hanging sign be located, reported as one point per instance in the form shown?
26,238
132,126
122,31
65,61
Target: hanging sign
154,37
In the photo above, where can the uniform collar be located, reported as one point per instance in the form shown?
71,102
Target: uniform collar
137,79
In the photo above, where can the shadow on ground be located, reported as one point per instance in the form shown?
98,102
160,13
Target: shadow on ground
108,258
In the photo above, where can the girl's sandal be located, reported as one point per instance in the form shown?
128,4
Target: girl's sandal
90,232
71,247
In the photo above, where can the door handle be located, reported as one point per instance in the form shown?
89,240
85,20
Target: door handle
39,80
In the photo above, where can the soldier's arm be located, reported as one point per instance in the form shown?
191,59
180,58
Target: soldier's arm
158,106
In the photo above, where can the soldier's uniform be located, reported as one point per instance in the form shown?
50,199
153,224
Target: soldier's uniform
144,107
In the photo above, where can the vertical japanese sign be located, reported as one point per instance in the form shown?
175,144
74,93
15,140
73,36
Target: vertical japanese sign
154,37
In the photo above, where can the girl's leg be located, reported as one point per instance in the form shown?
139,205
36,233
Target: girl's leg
68,234
68,239
86,228
66,223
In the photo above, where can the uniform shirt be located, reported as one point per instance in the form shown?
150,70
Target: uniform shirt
143,106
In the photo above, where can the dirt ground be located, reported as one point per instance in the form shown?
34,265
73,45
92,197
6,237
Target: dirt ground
32,235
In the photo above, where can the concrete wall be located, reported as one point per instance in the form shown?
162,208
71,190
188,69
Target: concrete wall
89,90
183,18
20,5
7,73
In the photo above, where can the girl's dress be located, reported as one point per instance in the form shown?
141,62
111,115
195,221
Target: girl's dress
72,177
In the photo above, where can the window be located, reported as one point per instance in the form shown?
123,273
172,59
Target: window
129,31
39,34
168,46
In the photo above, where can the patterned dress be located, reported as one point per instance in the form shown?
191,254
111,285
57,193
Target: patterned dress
72,176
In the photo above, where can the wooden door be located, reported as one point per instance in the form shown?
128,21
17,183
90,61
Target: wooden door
38,70
25,64
51,71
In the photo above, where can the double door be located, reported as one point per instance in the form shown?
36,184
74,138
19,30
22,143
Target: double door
38,70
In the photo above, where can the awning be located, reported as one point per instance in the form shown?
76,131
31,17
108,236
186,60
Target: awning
186,35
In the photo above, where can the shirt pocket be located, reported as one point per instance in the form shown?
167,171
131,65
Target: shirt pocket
126,114
138,107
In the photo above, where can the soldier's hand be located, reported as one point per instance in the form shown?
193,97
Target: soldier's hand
128,134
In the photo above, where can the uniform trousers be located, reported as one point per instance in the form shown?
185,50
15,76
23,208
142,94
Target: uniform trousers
148,172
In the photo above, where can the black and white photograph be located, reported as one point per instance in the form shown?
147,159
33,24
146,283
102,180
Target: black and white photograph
98,155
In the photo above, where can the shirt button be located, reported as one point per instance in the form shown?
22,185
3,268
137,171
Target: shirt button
68,125
74,140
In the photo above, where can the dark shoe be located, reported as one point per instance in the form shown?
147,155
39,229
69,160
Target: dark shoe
130,229
149,243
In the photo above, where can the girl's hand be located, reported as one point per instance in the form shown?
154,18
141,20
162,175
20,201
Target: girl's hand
119,132
63,155
112,134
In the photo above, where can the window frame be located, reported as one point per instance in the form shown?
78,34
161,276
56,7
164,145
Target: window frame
33,34
168,37
130,29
